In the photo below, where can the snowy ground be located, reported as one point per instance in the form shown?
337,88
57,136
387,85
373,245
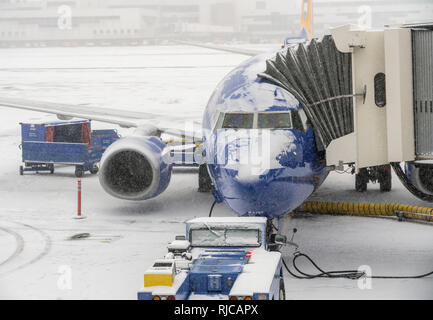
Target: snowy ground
37,258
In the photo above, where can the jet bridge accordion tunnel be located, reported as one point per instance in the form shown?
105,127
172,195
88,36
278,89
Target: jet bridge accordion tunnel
368,95
320,77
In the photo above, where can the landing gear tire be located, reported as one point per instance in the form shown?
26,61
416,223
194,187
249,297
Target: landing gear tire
361,180
51,168
94,170
21,170
204,180
385,179
79,173
282,289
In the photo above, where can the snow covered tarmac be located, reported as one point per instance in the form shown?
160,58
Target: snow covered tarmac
39,260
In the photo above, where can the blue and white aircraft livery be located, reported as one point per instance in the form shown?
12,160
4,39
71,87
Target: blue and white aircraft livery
258,148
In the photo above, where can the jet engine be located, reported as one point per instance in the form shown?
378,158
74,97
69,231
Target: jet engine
132,168
421,176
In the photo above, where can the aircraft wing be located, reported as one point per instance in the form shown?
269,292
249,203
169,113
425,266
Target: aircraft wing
247,52
148,123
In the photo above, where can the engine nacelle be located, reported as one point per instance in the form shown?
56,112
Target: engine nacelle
132,168
421,176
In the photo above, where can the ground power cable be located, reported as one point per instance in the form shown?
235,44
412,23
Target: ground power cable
346,274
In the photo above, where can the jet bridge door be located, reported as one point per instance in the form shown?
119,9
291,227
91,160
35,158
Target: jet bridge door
422,52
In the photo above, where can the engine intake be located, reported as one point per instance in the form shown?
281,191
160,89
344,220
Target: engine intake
133,169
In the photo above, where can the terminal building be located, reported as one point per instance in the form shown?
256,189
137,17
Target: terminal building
117,22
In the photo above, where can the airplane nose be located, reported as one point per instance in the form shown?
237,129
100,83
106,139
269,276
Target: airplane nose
255,171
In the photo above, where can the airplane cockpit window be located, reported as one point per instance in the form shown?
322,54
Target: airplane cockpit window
297,122
238,121
295,119
279,120
300,120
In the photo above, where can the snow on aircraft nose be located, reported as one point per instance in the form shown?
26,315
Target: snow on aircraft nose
261,172
253,153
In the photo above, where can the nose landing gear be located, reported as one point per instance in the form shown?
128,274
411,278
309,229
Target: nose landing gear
204,181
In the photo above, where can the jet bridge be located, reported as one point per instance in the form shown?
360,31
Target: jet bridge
367,93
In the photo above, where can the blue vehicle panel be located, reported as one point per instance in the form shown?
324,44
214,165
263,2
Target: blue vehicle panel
212,270
33,132
47,152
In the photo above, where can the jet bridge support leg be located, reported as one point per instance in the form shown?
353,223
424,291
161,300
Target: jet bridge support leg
380,174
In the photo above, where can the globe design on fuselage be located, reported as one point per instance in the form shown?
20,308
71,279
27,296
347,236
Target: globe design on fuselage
260,150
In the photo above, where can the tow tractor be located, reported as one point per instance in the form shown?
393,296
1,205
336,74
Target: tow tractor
219,259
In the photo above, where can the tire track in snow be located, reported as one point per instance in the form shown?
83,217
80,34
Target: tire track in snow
21,242
19,245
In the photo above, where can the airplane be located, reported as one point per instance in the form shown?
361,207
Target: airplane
244,114
258,147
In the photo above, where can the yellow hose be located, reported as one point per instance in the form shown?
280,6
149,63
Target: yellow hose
370,209
180,141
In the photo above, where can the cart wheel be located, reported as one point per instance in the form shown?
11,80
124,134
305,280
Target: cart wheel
361,180
94,170
282,289
79,172
21,170
52,168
